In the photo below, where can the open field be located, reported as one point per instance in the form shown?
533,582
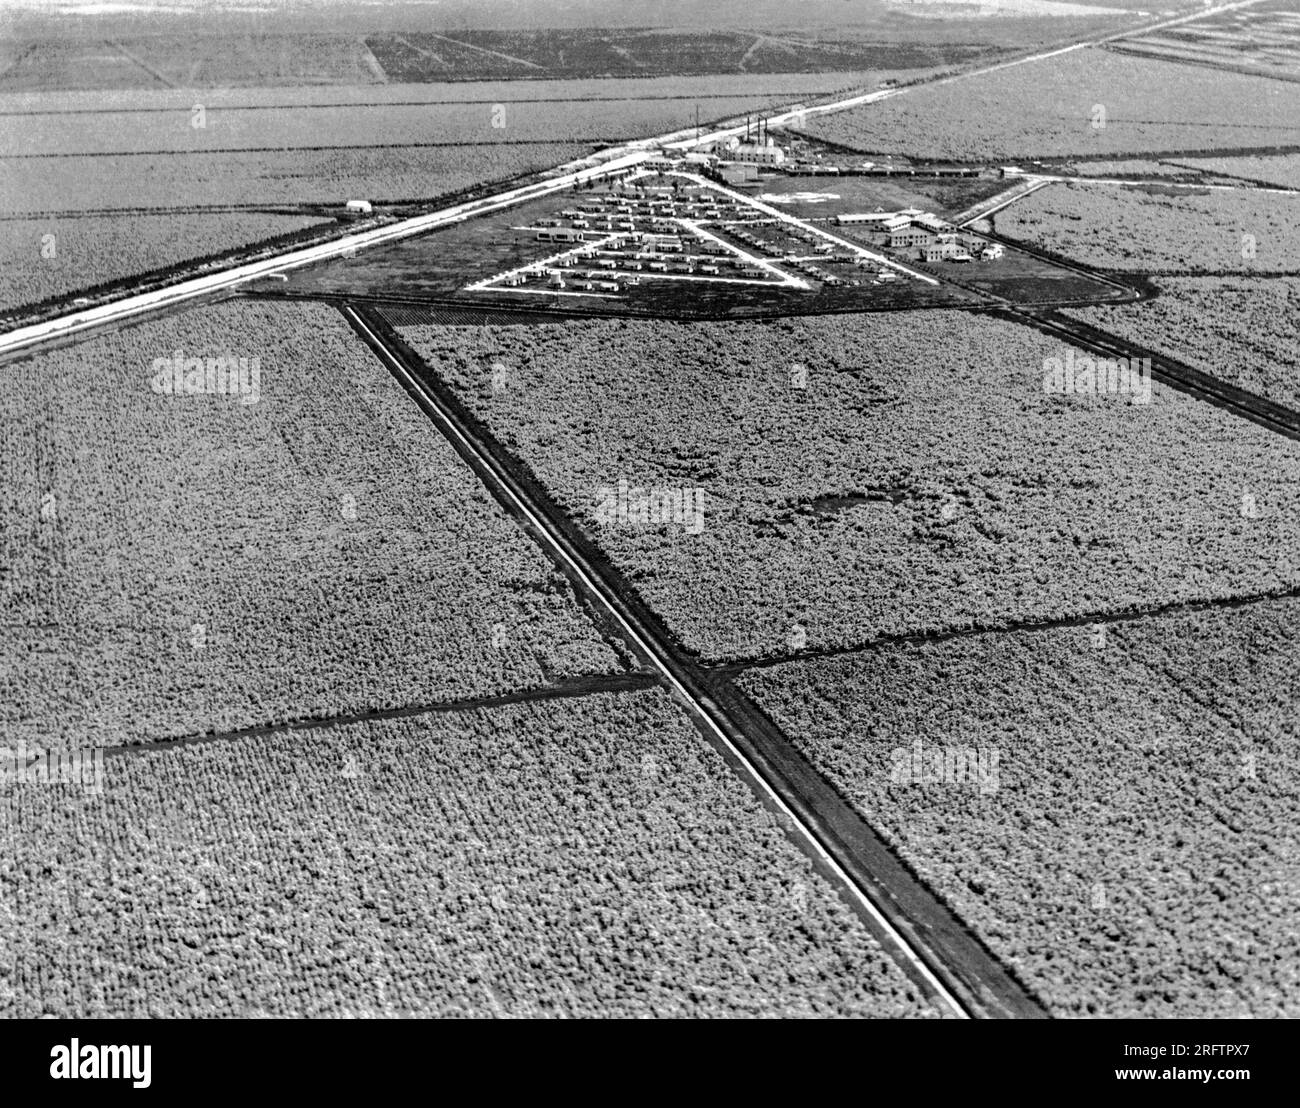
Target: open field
230,61
1132,169
42,258
1258,39
135,183
301,545
1111,810
593,119
1047,108
1282,172
569,858
1152,229
1243,331
920,480
760,87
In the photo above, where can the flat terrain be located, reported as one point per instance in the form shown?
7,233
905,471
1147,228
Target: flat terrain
1153,229
920,480
55,256
1124,837
1242,330
182,564
1047,108
576,858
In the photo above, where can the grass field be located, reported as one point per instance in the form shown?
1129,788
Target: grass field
1123,838
307,546
920,479
570,858
1282,172
1048,108
1156,229
42,258
71,184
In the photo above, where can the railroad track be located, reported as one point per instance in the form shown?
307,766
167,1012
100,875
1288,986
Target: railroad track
959,976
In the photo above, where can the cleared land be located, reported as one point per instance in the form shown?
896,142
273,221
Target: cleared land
141,183
1282,172
1153,229
179,564
230,128
921,479
42,258
1243,331
1124,836
181,101
1257,39
578,858
162,60
1047,108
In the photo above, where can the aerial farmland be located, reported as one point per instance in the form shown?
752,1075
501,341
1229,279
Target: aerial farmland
584,511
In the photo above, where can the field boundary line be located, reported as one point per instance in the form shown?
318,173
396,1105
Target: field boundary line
941,955
569,689
727,670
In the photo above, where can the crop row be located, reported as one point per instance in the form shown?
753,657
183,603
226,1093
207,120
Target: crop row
1110,809
278,536
1243,331
1050,108
1159,229
585,857
867,475
43,258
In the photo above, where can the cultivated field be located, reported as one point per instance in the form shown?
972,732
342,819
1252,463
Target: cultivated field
42,258
1123,837
307,546
595,119
146,183
921,479
1261,39
589,857
1243,331
1048,108
1155,229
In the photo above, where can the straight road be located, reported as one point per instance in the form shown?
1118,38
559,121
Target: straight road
607,162
959,976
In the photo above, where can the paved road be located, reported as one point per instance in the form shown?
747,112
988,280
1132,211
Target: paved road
610,161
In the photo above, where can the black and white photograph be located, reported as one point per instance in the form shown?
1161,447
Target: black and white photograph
622,509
